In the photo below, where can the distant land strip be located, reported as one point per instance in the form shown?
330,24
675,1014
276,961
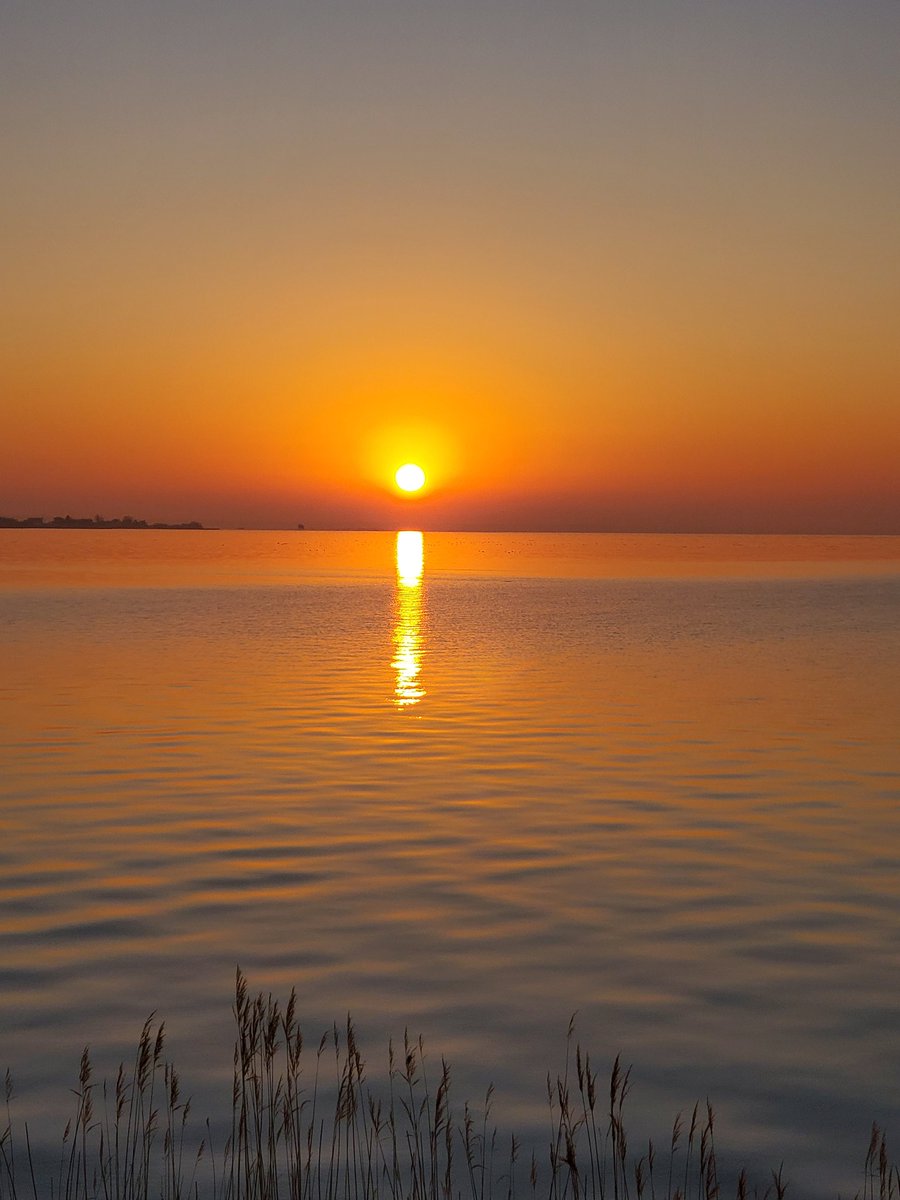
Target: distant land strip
97,522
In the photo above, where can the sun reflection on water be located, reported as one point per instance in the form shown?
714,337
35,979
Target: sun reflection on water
407,661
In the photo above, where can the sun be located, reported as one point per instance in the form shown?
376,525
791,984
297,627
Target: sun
410,478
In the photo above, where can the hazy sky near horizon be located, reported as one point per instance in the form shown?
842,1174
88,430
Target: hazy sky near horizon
594,265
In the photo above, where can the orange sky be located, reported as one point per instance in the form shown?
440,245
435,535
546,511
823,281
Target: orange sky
592,268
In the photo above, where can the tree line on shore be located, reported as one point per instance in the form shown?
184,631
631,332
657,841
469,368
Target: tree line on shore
96,522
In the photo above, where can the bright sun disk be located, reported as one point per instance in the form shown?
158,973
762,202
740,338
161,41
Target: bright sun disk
410,477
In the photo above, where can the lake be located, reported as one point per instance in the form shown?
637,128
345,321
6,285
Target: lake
469,785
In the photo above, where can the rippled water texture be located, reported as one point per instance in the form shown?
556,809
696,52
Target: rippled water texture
469,785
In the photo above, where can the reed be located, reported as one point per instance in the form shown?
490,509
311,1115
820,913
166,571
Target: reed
312,1127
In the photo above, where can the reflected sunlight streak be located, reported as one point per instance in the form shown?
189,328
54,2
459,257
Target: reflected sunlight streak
407,661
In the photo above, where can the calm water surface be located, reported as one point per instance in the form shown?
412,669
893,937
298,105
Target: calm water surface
468,784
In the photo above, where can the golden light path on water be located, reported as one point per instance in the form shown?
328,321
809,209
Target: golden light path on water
407,660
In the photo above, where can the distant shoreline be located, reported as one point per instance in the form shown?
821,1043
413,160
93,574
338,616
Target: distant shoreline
97,522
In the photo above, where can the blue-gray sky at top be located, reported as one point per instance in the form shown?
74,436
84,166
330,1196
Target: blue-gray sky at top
615,71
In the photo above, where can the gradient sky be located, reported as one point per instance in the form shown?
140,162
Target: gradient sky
594,265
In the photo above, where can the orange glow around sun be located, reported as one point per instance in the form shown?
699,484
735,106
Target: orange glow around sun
410,478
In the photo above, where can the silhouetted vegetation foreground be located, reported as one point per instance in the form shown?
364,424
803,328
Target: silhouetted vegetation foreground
329,1135
96,522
